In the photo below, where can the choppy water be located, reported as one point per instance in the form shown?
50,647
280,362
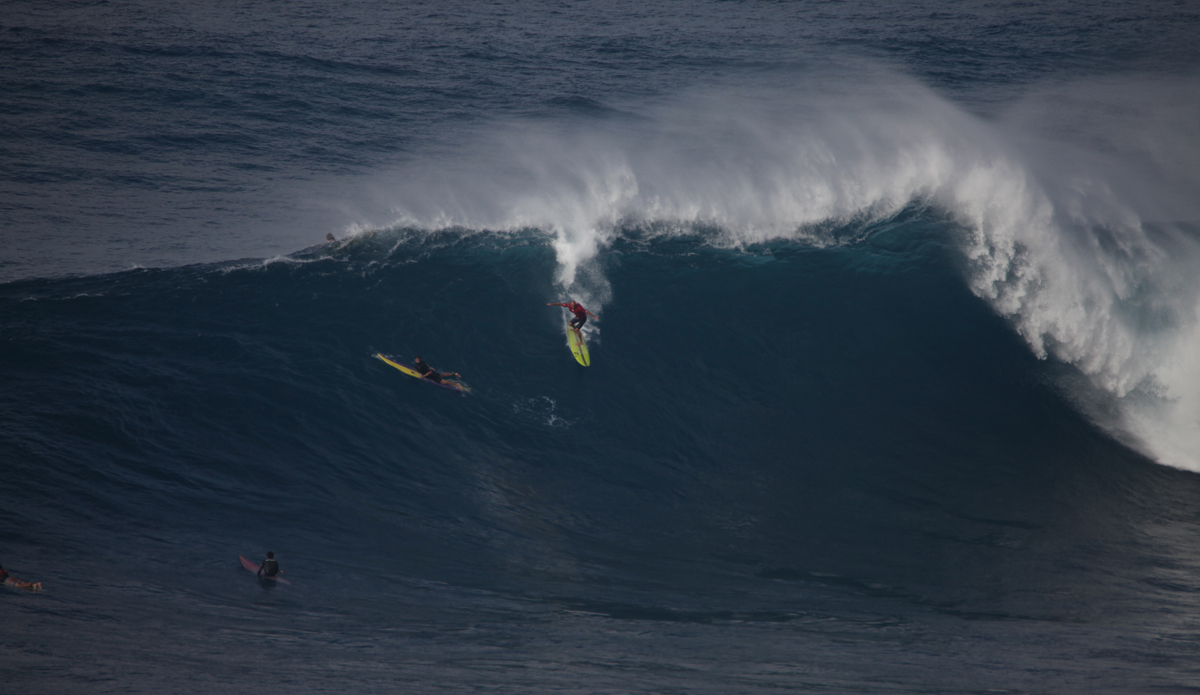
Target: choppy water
893,385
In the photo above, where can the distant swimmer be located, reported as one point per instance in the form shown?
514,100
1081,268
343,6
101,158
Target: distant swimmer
269,567
10,580
329,237
427,372
581,314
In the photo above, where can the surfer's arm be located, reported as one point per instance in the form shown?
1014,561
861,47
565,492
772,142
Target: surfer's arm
555,304
590,314
20,584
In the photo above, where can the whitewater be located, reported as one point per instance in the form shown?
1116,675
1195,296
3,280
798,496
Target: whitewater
1084,238
894,377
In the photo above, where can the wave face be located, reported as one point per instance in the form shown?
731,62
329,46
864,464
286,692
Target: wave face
894,380
779,442
1086,241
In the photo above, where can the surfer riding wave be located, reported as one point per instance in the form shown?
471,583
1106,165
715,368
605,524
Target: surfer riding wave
581,314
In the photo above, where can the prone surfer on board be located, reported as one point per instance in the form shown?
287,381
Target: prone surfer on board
427,372
269,567
9,580
581,314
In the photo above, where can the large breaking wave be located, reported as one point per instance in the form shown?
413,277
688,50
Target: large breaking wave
1076,207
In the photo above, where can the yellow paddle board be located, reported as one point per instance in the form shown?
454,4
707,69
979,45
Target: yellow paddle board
578,346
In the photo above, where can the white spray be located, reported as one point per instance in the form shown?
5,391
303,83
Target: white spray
1055,196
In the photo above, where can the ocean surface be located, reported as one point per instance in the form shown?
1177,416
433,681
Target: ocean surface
895,381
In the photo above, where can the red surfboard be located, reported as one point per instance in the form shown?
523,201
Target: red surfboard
254,567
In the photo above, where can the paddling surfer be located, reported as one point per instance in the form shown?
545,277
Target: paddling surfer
427,372
269,567
581,314
9,580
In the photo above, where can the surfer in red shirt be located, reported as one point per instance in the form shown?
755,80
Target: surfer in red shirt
581,314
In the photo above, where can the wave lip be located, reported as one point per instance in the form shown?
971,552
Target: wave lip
1053,230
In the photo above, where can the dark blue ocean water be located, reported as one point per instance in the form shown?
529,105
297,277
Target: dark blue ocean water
895,380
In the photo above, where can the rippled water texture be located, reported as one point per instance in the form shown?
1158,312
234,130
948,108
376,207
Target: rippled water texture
893,381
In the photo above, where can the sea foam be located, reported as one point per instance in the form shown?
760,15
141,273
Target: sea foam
1069,204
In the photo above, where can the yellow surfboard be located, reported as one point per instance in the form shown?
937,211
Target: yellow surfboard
452,385
578,346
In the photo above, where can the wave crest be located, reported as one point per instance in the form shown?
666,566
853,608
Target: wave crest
1053,227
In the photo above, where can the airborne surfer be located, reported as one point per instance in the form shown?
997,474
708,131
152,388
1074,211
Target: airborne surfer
581,314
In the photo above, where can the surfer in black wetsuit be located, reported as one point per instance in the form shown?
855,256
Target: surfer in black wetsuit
427,372
270,567
8,580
